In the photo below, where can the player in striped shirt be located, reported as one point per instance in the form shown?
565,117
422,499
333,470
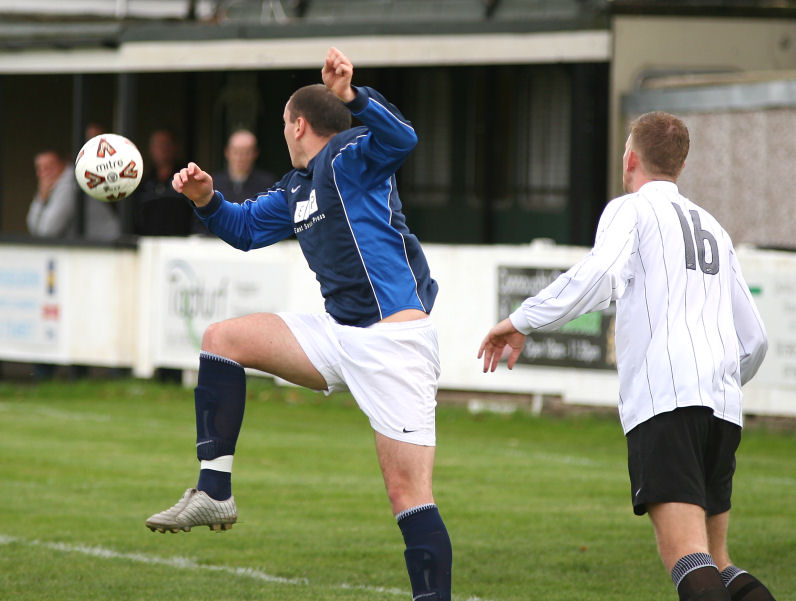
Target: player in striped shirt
688,336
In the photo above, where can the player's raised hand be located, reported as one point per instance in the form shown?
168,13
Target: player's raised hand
337,73
500,339
196,184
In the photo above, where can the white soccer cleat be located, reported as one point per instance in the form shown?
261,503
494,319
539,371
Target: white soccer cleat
195,508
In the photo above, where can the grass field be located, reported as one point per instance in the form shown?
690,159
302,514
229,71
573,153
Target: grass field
537,507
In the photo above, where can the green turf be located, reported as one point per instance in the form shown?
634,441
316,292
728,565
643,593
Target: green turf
537,507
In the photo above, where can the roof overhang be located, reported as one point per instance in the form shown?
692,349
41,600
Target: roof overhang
292,53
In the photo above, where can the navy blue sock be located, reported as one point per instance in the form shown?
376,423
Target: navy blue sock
217,485
742,586
428,553
697,578
220,399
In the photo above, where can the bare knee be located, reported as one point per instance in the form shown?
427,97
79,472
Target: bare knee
215,340
404,494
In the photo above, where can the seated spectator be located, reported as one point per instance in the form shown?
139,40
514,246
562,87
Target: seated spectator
53,210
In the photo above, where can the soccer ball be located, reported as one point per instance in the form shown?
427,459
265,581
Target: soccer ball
108,167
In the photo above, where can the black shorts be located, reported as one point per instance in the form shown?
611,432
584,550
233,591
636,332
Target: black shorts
683,456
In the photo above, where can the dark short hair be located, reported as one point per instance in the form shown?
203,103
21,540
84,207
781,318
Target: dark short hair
324,111
661,141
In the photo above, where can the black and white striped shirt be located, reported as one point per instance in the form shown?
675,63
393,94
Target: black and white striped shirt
687,329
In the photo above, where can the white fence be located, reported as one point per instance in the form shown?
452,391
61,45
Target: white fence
147,308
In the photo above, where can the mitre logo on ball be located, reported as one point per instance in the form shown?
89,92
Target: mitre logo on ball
108,167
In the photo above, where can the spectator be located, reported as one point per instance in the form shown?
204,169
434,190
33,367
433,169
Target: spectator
157,209
53,214
53,210
241,179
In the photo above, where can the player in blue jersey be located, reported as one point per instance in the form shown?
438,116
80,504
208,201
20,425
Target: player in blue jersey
375,339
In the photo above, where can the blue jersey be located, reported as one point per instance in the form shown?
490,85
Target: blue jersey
345,212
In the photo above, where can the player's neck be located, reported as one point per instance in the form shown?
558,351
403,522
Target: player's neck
641,179
312,146
317,143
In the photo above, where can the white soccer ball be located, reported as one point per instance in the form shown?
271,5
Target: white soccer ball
109,167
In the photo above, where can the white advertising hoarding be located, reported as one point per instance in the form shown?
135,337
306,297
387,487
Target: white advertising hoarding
188,285
33,286
68,304
149,307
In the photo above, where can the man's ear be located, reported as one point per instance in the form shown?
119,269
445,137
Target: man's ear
300,127
633,161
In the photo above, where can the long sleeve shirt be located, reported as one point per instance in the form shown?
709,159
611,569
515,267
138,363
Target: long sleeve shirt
345,212
687,329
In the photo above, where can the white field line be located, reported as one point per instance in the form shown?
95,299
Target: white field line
184,563
54,413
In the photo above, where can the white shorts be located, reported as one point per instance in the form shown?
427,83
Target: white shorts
391,369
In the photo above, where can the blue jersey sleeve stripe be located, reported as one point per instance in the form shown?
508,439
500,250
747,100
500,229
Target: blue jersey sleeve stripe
253,224
393,115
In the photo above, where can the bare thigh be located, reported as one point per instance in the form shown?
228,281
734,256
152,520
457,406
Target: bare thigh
263,341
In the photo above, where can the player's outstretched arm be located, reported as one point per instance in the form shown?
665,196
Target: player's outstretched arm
196,184
337,72
504,336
